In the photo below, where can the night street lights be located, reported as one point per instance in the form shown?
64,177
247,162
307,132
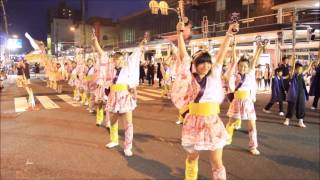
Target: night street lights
72,28
164,8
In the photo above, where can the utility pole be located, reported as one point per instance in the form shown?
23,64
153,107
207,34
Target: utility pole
83,9
5,50
4,17
294,31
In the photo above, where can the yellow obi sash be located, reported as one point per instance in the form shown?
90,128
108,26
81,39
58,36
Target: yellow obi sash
88,78
204,109
119,87
241,95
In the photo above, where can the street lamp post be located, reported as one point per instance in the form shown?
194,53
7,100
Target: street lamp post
294,31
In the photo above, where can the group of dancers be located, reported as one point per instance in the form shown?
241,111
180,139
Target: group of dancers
107,85
289,84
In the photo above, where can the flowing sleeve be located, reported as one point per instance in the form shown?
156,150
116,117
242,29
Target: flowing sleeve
34,45
134,67
232,82
183,89
215,76
253,85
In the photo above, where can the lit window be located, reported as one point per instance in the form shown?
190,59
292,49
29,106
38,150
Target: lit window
221,5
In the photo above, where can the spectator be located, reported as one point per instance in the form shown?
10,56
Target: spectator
150,73
142,73
259,76
36,69
159,74
267,76
20,74
26,71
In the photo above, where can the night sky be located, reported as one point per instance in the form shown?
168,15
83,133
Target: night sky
31,15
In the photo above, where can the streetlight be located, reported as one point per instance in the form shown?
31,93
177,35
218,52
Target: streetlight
164,8
72,28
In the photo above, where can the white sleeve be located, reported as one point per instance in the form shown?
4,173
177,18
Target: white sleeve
32,42
253,85
133,67
232,82
216,71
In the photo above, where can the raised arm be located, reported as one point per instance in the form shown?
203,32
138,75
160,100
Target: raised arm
134,65
96,45
220,56
234,52
309,67
234,61
32,41
181,43
256,56
292,62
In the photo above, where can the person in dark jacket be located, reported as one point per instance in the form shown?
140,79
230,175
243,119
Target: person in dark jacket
20,74
285,68
278,92
297,96
159,74
315,85
150,73
142,73
26,70
36,69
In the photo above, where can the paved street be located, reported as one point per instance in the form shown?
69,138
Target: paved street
60,141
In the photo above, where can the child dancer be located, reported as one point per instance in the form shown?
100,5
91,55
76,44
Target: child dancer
297,94
243,85
166,81
201,90
73,79
83,69
100,96
229,69
123,78
60,76
278,92
39,49
90,84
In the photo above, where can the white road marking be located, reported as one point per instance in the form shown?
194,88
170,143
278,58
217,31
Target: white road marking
20,104
47,103
144,98
68,100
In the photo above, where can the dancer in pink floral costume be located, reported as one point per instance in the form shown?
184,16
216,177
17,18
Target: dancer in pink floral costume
122,79
242,83
198,85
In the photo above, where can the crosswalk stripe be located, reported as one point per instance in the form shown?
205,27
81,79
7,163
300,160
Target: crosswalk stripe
20,104
150,90
47,103
143,98
149,94
68,100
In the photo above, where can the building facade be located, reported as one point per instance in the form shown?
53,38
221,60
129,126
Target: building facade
61,34
255,15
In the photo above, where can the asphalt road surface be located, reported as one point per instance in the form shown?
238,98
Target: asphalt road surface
59,140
